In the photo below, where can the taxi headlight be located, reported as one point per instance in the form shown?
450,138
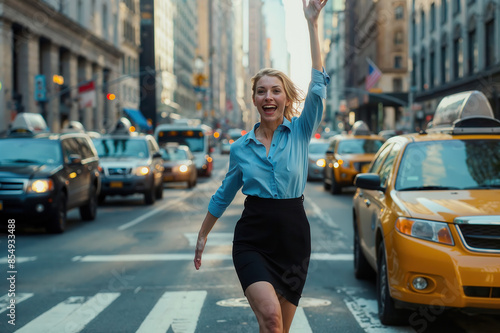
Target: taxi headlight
40,186
321,163
183,168
142,171
438,232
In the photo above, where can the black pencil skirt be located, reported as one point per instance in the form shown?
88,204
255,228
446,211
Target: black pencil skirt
272,242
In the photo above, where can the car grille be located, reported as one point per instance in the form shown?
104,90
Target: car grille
487,292
12,186
119,171
168,170
481,237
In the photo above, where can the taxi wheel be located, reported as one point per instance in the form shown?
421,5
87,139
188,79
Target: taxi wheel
101,199
150,196
89,211
159,191
362,269
387,312
57,219
335,188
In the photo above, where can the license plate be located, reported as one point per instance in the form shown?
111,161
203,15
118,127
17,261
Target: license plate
116,184
1,205
168,178
364,168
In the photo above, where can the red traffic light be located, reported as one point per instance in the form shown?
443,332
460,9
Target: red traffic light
110,97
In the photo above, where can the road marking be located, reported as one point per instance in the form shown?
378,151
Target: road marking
178,309
190,257
72,315
5,300
300,323
305,302
365,312
19,260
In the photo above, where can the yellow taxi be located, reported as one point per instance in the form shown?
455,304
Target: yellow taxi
349,154
426,216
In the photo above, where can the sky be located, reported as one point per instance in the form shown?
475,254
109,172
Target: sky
298,44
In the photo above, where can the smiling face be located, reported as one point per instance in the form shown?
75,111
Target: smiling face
270,99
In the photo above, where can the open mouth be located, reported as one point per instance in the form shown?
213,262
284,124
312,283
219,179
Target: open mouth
269,109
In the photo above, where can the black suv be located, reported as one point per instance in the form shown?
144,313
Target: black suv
130,164
43,176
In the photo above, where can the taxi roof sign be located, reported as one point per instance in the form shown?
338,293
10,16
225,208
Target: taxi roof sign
460,106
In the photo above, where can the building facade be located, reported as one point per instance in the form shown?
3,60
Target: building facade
454,46
76,41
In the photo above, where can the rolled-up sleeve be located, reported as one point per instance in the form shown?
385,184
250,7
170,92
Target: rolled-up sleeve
313,106
227,191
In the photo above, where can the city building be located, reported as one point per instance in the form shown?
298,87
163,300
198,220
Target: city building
454,46
49,51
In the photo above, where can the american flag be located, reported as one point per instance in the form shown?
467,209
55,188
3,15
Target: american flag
374,75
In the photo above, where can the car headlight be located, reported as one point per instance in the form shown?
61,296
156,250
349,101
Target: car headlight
40,186
142,171
321,163
438,232
183,168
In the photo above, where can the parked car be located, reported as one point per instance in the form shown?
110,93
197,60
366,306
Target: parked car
130,164
179,165
316,160
348,155
43,176
426,216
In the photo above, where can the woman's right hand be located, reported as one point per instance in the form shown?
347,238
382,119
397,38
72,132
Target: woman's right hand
200,246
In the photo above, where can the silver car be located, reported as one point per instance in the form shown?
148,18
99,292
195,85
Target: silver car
316,163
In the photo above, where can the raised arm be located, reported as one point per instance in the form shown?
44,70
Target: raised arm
311,13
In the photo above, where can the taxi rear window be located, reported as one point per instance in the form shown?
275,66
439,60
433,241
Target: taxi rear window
359,146
450,164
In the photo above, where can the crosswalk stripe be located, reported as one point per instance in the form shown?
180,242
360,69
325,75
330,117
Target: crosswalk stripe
71,315
300,323
5,300
177,309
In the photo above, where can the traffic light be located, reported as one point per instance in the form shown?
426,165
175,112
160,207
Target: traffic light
110,97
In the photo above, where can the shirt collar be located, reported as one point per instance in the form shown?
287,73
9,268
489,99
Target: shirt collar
286,124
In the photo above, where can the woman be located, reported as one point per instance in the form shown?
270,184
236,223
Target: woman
272,245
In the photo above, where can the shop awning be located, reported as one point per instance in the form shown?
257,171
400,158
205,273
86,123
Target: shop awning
138,118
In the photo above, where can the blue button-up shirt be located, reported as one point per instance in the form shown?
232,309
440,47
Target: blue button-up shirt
281,174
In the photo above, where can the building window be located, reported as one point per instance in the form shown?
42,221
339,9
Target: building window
432,74
458,61
397,85
422,24
444,11
433,16
399,13
398,62
414,72
398,38
79,12
490,43
105,21
457,7
414,32
445,65
473,53
423,85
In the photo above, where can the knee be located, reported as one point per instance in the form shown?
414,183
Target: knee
272,322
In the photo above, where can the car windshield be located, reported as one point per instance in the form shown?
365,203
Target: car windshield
359,146
30,151
174,154
453,164
318,147
121,147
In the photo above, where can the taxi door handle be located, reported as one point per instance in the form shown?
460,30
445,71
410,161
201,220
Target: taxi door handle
367,202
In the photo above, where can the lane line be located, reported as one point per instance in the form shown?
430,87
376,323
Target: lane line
5,300
300,324
70,316
179,310
19,260
190,257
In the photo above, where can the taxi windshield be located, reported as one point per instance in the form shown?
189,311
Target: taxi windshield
121,147
30,151
174,154
451,164
359,146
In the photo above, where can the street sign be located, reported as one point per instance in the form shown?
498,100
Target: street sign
40,88
87,95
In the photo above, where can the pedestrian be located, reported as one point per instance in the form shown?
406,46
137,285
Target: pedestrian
272,242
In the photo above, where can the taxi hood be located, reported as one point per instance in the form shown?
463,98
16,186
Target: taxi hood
444,206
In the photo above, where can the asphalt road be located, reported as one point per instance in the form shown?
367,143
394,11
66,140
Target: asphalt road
131,270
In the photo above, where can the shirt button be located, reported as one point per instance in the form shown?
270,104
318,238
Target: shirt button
275,195
269,157
274,145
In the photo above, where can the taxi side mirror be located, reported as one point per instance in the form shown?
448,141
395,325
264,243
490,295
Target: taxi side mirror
368,181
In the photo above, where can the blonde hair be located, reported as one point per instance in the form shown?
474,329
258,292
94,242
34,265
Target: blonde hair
294,94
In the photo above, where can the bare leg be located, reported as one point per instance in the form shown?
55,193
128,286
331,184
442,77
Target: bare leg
266,306
287,313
